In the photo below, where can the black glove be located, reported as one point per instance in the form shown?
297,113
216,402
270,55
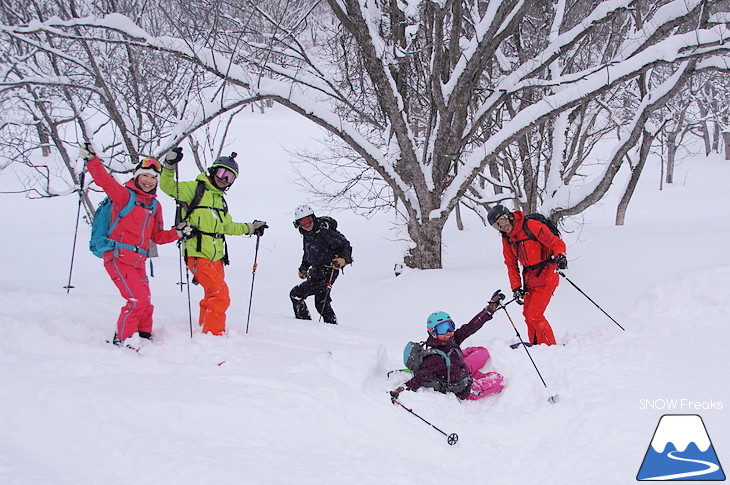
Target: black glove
562,261
172,158
519,295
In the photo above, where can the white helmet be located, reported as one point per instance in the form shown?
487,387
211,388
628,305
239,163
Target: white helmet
302,211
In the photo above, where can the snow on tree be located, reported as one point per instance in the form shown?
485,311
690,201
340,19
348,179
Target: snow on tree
445,102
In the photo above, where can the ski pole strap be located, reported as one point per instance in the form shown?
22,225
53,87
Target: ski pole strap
503,306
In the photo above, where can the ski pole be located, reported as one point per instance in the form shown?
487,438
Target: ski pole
187,283
183,253
524,346
450,438
253,278
327,295
76,231
589,299
178,219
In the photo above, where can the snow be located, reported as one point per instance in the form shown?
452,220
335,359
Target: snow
293,402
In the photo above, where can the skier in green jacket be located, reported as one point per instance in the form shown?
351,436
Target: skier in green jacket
201,203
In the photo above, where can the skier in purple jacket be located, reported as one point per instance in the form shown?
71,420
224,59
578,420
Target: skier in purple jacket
463,376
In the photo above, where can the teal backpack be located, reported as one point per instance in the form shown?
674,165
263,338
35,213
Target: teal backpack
103,225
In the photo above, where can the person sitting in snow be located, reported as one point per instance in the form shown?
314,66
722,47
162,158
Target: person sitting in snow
463,377
126,263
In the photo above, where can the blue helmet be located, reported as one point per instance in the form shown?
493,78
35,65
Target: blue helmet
439,323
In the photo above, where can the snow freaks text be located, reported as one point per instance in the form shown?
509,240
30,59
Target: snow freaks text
680,404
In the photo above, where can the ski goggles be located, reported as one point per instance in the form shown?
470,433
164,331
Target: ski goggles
224,174
151,163
304,221
444,327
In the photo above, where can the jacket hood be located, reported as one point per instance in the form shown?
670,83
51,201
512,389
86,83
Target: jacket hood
518,220
208,184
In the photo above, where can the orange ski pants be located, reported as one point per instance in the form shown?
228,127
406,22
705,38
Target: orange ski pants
211,276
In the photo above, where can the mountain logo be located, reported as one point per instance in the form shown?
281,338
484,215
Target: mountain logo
681,450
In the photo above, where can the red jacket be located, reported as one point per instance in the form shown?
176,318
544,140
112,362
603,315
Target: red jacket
140,226
535,256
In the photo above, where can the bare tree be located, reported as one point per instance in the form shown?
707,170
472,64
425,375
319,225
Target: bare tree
440,100
59,90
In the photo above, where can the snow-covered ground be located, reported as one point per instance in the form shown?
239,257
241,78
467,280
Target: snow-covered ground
293,402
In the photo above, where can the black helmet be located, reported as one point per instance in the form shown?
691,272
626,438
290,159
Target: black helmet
227,162
496,212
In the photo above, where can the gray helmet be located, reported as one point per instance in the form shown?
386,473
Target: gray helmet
496,212
227,162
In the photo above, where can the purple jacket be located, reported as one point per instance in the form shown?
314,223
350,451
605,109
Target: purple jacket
435,365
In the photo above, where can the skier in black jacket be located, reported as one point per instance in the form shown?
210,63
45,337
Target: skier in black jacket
326,252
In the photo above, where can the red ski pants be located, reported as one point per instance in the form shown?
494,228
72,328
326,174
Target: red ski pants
539,330
215,302
132,282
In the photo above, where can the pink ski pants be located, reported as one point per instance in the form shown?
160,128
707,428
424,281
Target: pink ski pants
483,384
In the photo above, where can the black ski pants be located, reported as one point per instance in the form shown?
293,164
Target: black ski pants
315,285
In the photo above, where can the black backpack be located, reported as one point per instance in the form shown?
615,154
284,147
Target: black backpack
546,253
195,204
327,222
539,217
415,352
413,355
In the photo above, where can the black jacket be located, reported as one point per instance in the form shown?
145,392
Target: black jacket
322,245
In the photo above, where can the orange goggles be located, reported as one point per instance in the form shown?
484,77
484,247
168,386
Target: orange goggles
151,163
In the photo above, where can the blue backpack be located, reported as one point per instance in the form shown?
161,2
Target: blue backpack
103,225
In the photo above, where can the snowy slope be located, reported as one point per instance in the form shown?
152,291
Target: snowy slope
295,402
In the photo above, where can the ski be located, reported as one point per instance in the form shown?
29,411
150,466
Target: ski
124,346
405,371
517,344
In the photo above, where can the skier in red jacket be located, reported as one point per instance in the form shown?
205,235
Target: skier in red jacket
126,263
541,253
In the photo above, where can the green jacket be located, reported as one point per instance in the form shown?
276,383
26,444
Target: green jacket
211,216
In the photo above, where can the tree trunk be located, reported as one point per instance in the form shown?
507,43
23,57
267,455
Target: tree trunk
706,138
427,252
459,222
726,142
635,174
671,156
